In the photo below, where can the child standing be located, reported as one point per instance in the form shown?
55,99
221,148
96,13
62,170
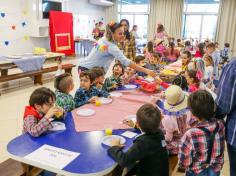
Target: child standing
113,82
38,115
211,50
148,153
176,117
87,93
202,147
209,69
64,85
225,53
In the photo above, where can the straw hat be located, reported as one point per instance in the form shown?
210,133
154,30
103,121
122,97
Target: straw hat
158,41
176,99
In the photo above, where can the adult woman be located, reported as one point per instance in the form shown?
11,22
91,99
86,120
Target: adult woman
128,45
106,51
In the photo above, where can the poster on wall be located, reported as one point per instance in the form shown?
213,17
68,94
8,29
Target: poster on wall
61,32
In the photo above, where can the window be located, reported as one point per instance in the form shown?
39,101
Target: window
200,19
136,11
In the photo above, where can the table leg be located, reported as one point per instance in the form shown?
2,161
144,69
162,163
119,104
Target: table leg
38,79
4,72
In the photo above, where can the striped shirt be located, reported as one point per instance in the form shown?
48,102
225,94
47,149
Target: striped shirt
226,100
193,148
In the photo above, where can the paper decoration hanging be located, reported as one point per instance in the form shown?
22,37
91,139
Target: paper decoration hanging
25,12
23,24
3,15
6,43
13,27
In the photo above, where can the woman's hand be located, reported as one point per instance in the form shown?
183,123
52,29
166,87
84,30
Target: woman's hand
151,73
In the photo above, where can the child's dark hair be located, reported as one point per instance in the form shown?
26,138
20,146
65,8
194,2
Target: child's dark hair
187,43
41,96
110,29
134,26
139,58
189,55
227,45
88,74
193,74
201,47
180,81
211,45
98,71
172,47
62,82
120,65
178,40
148,118
150,47
127,33
156,55
160,28
202,104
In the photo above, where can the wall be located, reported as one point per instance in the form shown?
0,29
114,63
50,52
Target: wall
18,40
85,16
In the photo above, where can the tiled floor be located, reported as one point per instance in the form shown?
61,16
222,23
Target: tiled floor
15,95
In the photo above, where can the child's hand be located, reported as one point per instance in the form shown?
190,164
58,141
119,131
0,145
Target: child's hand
114,86
129,123
158,80
52,111
93,99
116,142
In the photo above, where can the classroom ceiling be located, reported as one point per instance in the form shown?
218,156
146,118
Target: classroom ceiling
188,1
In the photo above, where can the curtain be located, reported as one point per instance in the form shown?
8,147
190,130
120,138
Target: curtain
166,12
226,25
111,13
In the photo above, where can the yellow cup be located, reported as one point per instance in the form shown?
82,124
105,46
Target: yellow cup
98,103
58,114
108,131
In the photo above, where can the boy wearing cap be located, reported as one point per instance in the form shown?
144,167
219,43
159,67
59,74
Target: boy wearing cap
202,147
176,117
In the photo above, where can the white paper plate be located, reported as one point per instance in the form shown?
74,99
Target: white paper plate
85,112
105,100
107,139
130,86
57,126
149,79
14,56
116,94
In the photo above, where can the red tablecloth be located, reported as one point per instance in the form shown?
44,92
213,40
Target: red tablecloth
111,115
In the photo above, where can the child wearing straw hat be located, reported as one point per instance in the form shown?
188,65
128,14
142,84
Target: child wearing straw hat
176,117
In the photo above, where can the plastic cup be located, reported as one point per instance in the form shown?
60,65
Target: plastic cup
108,131
98,103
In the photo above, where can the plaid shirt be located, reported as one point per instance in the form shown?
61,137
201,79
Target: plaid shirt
226,100
82,96
128,47
193,148
34,127
65,101
111,81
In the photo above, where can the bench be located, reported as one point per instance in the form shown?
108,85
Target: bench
37,75
11,167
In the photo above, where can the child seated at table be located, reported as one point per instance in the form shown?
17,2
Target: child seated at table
202,146
88,93
129,76
193,78
171,54
64,85
99,75
176,117
154,63
115,80
38,115
186,57
148,155
140,60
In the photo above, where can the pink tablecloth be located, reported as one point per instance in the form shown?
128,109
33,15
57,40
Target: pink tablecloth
111,115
